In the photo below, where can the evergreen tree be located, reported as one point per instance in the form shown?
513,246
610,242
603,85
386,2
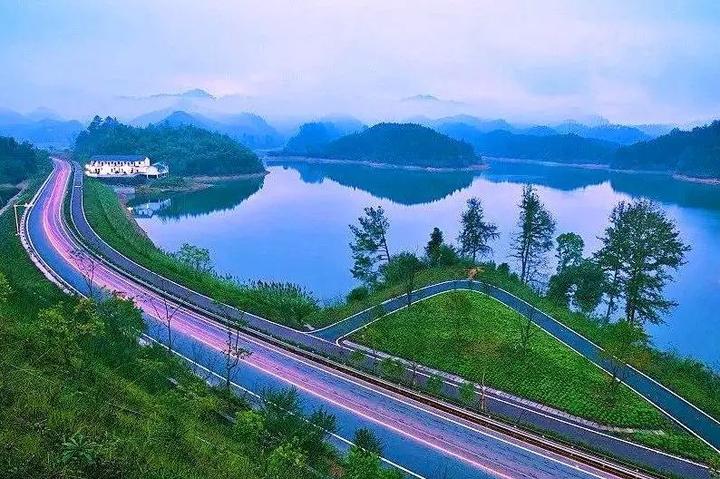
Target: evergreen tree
369,246
432,249
475,232
640,247
534,239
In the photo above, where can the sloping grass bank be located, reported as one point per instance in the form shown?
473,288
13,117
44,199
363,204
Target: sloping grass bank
481,340
692,380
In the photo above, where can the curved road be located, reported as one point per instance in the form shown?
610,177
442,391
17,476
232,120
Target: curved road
417,437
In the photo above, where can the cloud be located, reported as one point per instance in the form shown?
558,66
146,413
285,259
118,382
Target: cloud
629,61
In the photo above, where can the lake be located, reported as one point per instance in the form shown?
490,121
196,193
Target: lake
292,225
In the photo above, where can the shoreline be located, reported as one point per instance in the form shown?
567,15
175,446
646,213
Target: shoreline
603,167
430,169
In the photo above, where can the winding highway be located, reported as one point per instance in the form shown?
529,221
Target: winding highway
420,439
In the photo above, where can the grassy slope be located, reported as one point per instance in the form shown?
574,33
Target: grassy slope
487,343
146,427
694,381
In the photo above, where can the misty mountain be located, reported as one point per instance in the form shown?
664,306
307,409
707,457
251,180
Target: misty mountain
600,129
313,137
693,153
41,127
405,144
247,128
624,135
195,93
568,148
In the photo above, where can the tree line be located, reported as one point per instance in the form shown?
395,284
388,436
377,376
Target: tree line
640,250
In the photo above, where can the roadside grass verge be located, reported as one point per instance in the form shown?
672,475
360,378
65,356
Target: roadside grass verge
115,403
691,379
280,302
480,340
86,400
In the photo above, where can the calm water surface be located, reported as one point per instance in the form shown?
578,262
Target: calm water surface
293,225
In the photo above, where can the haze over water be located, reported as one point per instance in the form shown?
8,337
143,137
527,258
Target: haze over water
293,225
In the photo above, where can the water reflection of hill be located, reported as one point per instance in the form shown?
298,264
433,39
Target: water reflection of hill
661,188
562,178
223,196
665,189
407,187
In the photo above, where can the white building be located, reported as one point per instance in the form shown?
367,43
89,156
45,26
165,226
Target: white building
124,166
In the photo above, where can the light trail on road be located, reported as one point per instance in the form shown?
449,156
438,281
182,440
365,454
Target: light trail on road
416,436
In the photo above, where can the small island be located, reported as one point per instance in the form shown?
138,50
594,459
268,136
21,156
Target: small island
404,145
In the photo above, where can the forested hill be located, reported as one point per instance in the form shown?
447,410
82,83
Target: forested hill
186,149
693,153
313,137
18,161
405,144
568,148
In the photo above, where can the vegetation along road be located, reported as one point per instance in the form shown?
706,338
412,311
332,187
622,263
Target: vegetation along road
407,426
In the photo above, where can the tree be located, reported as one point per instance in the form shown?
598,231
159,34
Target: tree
5,289
581,284
286,461
475,232
234,353
195,257
369,246
639,249
402,268
624,343
367,441
534,239
569,250
432,249
434,385
64,331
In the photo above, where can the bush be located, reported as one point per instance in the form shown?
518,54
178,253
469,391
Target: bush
357,294
289,302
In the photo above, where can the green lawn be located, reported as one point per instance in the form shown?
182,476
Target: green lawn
485,341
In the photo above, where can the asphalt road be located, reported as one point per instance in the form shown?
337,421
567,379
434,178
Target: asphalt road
417,437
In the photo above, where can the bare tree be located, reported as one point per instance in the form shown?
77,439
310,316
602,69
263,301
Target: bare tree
527,329
234,353
86,264
165,310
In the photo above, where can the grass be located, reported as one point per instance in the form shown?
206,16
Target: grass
484,343
279,302
127,410
117,409
691,379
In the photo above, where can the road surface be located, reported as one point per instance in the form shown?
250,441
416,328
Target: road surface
418,438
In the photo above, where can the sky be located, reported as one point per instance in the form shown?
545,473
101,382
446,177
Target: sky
630,61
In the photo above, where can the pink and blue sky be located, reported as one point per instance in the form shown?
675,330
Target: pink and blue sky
630,60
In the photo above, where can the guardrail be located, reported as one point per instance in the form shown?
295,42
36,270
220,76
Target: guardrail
300,342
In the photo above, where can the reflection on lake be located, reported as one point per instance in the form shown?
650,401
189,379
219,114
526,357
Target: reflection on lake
293,224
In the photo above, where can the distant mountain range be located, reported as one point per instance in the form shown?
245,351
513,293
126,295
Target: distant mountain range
249,129
195,93
41,127
621,134
405,144
568,148
694,153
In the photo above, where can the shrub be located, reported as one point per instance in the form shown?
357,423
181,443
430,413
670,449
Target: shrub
358,294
